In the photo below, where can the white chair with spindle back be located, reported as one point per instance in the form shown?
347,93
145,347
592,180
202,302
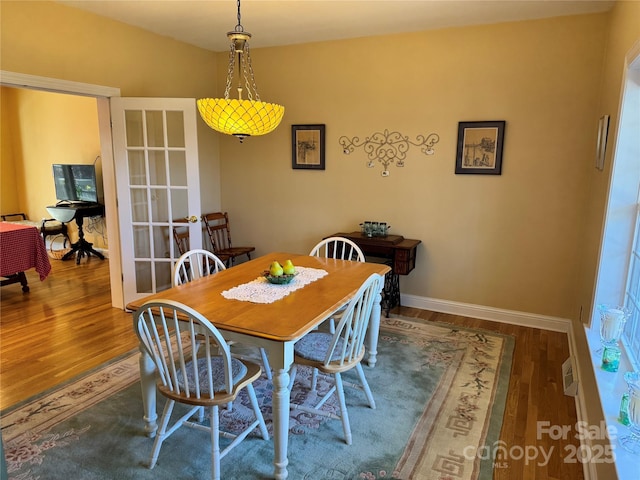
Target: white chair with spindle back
169,333
341,351
339,248
199,263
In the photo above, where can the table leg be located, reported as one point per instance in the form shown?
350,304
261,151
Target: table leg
373,332
148,385
281,359
280,423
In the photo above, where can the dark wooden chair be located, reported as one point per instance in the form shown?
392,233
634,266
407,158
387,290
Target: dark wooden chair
217,227
49,227
12,217
181,236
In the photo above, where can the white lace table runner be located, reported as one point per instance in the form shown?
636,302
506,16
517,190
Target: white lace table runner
261,291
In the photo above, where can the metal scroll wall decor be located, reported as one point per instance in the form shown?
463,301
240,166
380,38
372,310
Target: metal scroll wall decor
388,147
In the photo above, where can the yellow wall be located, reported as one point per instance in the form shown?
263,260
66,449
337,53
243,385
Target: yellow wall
9,201
52,40
509,241
517,241
624,32
48,128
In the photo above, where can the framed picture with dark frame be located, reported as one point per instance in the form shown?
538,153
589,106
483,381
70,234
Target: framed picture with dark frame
480,147
307,147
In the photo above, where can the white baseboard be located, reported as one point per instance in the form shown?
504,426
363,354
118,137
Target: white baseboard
512,317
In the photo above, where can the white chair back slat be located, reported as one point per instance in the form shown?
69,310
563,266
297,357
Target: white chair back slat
170,332
196,264
160,355
195,366
339,248
351,331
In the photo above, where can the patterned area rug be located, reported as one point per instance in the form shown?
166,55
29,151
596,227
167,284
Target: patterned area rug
440,393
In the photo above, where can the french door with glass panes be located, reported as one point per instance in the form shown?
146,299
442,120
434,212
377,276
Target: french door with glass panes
157,183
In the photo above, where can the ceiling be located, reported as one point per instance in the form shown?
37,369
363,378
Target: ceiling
284,22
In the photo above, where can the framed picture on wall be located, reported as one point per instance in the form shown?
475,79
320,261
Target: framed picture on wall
307,144
480,147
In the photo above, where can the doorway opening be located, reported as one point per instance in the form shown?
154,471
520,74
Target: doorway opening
102,95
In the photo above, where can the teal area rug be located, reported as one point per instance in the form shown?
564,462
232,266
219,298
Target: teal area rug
440,392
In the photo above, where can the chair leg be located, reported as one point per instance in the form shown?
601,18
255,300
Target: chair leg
292,376
365,386
256,409
201,414
161,433
314,379
265,363
343,408
215,443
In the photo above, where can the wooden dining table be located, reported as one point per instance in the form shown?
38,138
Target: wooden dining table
274,326
21,248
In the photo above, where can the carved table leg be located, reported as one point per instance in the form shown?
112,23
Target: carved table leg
280,423
373,332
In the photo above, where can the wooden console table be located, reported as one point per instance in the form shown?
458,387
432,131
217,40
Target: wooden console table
398,252
78,211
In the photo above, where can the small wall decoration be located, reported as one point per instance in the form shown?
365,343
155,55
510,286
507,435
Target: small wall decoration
388,147
601,146
480,147
307,143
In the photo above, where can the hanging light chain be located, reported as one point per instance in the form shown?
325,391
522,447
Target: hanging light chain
249,77
232,64
239,27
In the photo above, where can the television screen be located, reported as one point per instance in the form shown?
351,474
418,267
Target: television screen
75,183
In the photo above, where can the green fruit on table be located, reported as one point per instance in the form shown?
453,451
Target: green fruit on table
275,270
288,268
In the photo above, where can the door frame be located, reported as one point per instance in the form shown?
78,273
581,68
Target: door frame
102,94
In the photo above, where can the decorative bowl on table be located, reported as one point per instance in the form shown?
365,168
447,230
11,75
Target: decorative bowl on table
280,279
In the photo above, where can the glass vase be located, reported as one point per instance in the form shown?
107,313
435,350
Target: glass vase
612,321
631,442
611,358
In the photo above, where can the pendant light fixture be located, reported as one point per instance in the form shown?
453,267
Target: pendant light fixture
240,117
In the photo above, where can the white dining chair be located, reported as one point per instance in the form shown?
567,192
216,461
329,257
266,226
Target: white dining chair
335,353
195,264
169,333
199,263
338,248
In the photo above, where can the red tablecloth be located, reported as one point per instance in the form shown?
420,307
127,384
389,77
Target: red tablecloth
22,248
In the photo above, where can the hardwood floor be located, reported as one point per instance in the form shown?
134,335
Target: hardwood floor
66,325
535,395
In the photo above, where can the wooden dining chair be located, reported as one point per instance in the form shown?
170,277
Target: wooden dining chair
181,236
199,263
219,232
8,217
168,332
50,227
335,353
